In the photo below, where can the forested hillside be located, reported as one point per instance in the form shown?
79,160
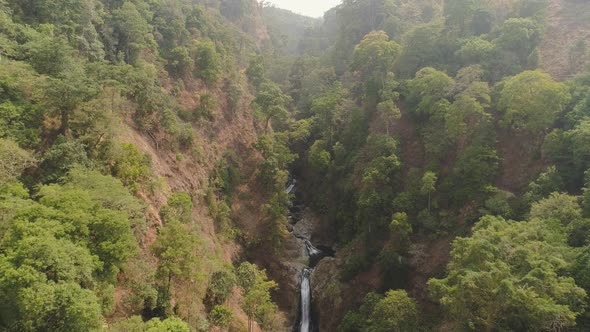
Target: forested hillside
119,162
448,166
169,165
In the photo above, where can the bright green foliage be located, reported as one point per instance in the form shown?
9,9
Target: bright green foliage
561,207
428,88
475,50
400,230
423,46
131,166
548,182
499,202
109,192
177,248
327,110
380,182
256,301
221,316
208,62
60,253
179,207
319,159
112,239
271,103
255,71
276,210
429,180
172,324
277,157
136,324
131,32
13,160
395,312
20,120
519,36
220,287
531,101
508,275
48,54
63,99
465,117
181,62
375,55
474,170
206,108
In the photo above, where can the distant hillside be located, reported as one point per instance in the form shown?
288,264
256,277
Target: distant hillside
288,28
564,51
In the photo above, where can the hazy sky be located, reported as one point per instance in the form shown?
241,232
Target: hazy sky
313,8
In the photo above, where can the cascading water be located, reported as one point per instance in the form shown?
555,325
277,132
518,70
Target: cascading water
311,250
305,324
314,254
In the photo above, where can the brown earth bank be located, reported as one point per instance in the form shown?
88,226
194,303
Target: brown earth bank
228,131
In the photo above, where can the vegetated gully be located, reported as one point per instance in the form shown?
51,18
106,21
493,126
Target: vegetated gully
306,321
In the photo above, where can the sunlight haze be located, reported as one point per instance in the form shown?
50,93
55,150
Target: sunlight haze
313,8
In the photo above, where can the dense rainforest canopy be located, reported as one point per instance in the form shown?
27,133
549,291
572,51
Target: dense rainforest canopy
145,147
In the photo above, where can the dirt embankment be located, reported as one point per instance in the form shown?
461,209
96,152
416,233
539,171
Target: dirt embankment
189,171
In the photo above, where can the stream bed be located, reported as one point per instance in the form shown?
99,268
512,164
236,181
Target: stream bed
301,227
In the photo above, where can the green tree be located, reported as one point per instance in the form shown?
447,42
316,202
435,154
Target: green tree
13,160
424,45
428,186
562,207
531,101
179,207
400,230
220,287
131,32
131,166
375,55
491,285
63,98
221,316
177,249
136,324
257,287
271,103
61,254
255,71
389,113
519,36
48,54
428,88
395,312
319,159
327,111
475,50
208,62
171,324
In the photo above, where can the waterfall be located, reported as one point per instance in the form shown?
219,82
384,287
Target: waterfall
305,301
290,186
311,250
314,254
